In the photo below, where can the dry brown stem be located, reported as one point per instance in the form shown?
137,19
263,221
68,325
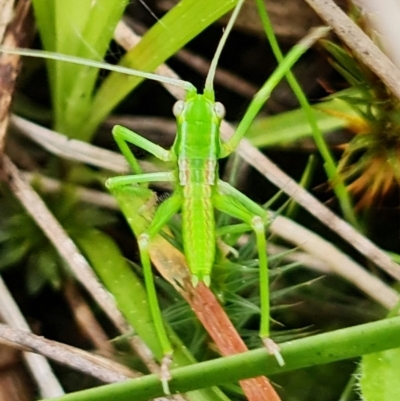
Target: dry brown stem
362,46
103,369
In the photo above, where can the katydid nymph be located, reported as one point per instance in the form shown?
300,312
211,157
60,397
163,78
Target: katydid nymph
198,191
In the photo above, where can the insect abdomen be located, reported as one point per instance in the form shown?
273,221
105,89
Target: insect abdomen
198,221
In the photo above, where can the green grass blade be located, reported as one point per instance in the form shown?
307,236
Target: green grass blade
285,128
264,93
305,182
121,281
329,161
314,350
178,27
45,21
92,32
82,28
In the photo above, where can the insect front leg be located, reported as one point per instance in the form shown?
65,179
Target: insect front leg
229,200
127,180
123,136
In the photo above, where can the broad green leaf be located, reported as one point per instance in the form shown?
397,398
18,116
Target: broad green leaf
83,28
122,282
284,128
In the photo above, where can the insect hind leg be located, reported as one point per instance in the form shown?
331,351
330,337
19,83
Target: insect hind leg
232,202
163,214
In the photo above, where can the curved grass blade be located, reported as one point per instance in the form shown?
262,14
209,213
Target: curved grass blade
178,27
75,27
349,343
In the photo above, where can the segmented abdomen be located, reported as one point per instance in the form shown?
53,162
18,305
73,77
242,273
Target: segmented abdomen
198,216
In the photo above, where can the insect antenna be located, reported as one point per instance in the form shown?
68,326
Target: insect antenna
208,88
97,64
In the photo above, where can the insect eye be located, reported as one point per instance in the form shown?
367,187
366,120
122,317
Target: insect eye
219,109
178,108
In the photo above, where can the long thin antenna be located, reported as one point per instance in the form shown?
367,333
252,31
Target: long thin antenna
210,76
97,64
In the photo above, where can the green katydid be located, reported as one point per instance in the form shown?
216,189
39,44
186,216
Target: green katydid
198,189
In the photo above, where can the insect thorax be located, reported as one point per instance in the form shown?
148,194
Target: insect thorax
197,172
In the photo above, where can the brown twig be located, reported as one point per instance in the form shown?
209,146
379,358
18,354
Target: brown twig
221,330
69,148
73,149
6,15
362,46
97,366
15,383
16,27
15,36
275,175
337,261
85,318
41,371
